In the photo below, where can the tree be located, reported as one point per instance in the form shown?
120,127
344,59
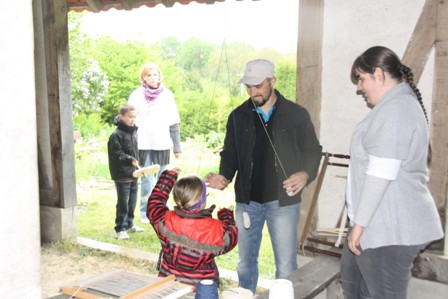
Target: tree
122,63
88,93
286,79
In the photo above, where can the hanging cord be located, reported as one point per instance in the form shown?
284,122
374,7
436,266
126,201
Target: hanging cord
270,140
210,105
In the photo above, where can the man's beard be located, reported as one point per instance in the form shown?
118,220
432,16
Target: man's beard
264,100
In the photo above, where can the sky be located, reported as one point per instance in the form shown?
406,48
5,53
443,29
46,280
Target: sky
262,24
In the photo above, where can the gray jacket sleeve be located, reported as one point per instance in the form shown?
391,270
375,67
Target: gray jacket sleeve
373,191
175,137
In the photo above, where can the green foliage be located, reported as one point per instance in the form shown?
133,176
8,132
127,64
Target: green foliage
89,83
90,125
91,155
215,139
91,165
286,79
122,63
203,77
169,48
194,54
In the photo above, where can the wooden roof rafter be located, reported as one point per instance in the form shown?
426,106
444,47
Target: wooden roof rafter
104,5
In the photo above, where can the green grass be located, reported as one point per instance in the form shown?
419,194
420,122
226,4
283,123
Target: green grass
96,205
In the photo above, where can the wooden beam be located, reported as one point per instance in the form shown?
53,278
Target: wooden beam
438,182
57,182
309,58
56,158
311,210
127,4
95,5
313,278
422,40
149,287
431,266
309,82
78,292
168,3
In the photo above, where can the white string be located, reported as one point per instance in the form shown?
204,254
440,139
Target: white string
270,141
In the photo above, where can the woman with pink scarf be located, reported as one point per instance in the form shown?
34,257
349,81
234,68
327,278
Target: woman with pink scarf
158,127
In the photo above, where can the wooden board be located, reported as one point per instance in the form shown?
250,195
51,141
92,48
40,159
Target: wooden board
130,285
312,278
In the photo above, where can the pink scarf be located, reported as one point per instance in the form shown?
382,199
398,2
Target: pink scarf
151,93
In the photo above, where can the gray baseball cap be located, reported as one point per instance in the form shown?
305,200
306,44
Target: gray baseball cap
256,71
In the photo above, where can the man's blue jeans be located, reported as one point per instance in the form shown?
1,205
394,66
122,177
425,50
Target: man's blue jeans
148,182
282,226
126,202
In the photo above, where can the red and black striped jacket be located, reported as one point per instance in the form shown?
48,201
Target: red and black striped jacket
190,239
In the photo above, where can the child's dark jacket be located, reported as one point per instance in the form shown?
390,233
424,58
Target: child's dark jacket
122,148
190,239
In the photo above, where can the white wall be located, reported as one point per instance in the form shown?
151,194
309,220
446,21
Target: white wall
351,27
19,192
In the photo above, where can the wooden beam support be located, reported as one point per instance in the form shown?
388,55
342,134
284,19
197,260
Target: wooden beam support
168,3
95,5
127,4
309,58
56,158
57,180
422,40
438,182
309,84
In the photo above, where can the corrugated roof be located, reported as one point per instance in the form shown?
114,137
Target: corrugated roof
104,5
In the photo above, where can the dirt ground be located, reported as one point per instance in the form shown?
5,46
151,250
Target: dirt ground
60,267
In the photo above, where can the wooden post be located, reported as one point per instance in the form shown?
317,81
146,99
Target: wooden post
309,78
422,40
438,182
57,180
309,58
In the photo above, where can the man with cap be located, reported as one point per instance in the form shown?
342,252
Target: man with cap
272,147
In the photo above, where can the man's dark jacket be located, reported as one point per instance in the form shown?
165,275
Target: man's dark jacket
294,139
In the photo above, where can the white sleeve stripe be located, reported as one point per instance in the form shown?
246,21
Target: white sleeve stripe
383,167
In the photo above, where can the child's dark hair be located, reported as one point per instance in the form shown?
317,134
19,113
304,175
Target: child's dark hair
125,108
389,62
188,191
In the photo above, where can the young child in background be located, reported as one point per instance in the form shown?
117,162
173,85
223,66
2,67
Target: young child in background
122,152
190,236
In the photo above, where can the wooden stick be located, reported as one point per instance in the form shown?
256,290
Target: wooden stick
149,287
77,292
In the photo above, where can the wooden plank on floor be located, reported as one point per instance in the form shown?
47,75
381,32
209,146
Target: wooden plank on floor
313,277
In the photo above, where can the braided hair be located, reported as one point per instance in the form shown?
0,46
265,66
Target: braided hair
389,62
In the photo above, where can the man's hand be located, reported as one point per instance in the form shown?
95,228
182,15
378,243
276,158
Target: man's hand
353,239
216,181
295,183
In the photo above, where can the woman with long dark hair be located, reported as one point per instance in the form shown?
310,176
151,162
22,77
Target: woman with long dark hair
392,213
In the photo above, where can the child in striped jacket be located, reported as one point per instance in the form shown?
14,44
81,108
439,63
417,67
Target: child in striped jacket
189,235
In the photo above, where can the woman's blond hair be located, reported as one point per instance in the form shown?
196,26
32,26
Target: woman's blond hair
147,68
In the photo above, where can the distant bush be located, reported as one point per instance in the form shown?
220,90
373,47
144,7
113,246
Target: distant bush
91,126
